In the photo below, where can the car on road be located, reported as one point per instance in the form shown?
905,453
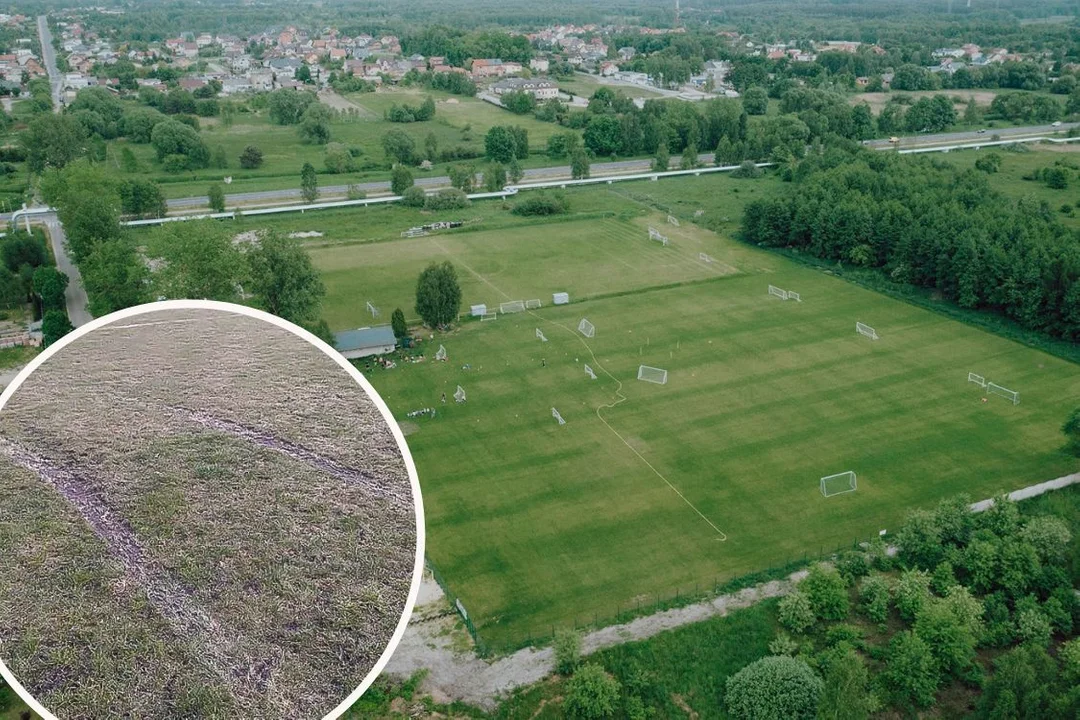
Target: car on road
981,131
1056,123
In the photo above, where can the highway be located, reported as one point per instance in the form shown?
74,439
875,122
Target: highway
973,136
48,54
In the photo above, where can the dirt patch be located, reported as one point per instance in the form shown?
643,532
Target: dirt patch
408,427
878,100
306,234
681,703
248,237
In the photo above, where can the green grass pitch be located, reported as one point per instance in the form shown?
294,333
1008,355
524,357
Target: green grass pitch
535,524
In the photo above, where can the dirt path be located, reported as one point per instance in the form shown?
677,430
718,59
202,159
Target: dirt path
436,641
337,102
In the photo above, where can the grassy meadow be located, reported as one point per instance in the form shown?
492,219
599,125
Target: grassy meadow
537,525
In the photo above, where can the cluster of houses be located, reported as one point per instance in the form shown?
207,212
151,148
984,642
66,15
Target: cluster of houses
20,64
952,59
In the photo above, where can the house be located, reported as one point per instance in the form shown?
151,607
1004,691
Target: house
539,89
482,68
608,68
364,342
539,65
627,53
192,84
284,67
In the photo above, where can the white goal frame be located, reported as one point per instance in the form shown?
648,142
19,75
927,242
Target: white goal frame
373,310
778,292
586,328
705,257
459,394
1010,395
532,304
440,354
652,374
846,481
589,372
792,295
977,379
673,220
555,414
655,234
489,316
866,330
540,335
513,306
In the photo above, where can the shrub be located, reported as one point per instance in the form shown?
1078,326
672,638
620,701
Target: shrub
355,192
827,592
414,196
911,673
1049,535
567,651
782,644
251,157
447,199
1033,627
912,592
796,612
874,593
591,693
853,564
542,204
746,169
777,687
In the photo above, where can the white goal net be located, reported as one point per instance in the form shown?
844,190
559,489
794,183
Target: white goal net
532,304
673,220
705,257
540,335
658,236
866,330
792,295
652,374
586,328
512,307
489,316
782,294
440,354
459,394
555,414
977,379
1010,395
589,372
838,484
373,310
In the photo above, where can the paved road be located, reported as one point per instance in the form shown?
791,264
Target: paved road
974,136
76,293
48,53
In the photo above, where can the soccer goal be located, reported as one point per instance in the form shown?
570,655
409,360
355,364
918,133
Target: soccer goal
540,335
792,295
373,310
532,304
512,307
586,328
459,394
673,220
977,379
838,484
652,374
555,414
866,330
440,354
589,372
782,294
489,316
1010,395
658,236
705,257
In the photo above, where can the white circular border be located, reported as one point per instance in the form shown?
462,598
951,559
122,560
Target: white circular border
418,569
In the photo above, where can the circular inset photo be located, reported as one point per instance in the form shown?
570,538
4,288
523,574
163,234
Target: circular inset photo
205,512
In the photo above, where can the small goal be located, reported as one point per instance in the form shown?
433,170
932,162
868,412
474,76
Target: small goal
373,310
866,330
1010,395
513,306
705,257
778,292
555,414
792,295
440,354
532,304
658,236
673,220
540,335
586,328
652,374
839,483
589,372
489,316
977,379
459,394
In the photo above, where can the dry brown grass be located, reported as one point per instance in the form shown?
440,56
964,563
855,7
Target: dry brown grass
878,100
165,566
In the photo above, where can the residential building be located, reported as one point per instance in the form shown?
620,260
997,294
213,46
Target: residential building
538,88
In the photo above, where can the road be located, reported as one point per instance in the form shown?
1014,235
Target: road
974,136
48,54
75,293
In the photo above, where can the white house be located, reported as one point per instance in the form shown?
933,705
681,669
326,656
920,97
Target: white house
366,341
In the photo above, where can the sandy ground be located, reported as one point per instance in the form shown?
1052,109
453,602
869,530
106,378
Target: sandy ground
879,100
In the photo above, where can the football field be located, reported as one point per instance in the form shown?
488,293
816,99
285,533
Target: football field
715,473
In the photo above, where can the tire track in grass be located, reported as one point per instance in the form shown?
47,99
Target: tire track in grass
620,397
247,679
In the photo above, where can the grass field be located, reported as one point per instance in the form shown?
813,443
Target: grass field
536,525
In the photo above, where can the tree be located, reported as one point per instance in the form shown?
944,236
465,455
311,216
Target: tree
287,106
846,694
514,171
912,593
519,103
282,279
972,115
911,672
591,694
303,74
567,648
874,592
499,144
826,591
755,101
796,612
400,179
1021,685
414,196
49,285
662,160
309,183
115,276
438,295
431,147
201,261
398,324
462,177
494,177
315,124
773,688
603,135
689,159
1049,535
251,157
399,146
338,159
52,141
579,164
951,629
142,198
989,163
919,540
173,138
54,325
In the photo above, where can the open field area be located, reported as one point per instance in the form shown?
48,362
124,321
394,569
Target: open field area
535,524
878,100
206,517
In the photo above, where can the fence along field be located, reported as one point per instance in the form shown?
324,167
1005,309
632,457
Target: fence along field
535,525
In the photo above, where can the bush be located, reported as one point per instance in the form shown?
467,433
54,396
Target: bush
542,204
447,199
776,687
414,196
355,192
874,593
746,169
591,694
796,612
1033,627
827,592
912,593
567,651
853,564
251,157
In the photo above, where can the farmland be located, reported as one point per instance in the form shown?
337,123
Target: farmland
537,525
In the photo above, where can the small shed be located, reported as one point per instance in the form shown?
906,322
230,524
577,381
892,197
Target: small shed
365,341
560,298
478,310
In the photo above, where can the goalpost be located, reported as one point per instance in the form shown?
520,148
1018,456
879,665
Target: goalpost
373,310
489,316
977,379
540,335
704,257
673,220
839,483
1010,395
440,354
792,295
532,304
866,330
652,374
589,372
782,294
586,328
555,414
655,234
459,394
512,307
